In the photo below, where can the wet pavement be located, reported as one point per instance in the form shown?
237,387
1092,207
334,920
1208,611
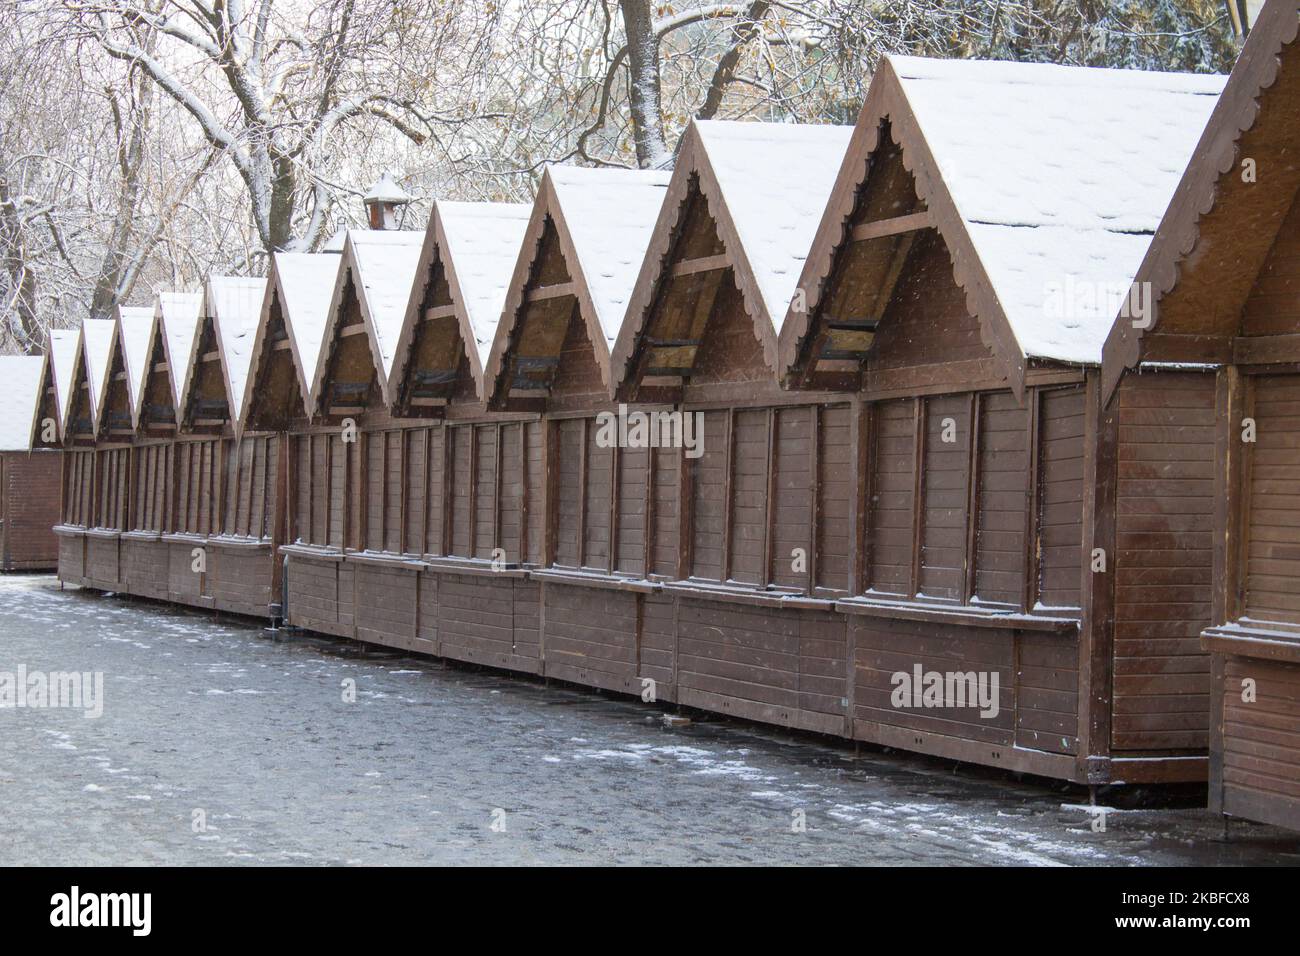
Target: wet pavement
219,745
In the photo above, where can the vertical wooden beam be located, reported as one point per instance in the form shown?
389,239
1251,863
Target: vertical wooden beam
814,493
448,469
472,511
728,483
1030,581
614,493
551,480
583,464
647,544
427,480
685,515
1230,493
1239,556
974,433
282,514
860,502
404,455
1097,590
919,415
769,517
525,498
496,490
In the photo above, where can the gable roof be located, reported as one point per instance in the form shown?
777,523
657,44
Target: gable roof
303,283
135,328
1210,187
381,264
97,339
234,304
1039,178
603,220
21,377
179,314
766,185
477,244
64,350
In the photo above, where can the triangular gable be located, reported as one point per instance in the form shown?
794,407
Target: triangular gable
744,201
179,315
156,409
65,351
287,343
466,261
235,305
21,377
364,319
136,329
1221,223
585,242
1045,183
98,340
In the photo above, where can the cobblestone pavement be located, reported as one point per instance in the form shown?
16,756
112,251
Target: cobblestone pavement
211,722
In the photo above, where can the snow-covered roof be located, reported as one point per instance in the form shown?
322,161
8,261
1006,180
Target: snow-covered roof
482,244
385,262
179,313
386,189
774,179
1061,175
64,344
135,328
235,305
306,284
97,342
20,394
610,215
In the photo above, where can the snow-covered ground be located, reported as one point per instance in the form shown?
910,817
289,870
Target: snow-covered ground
219,745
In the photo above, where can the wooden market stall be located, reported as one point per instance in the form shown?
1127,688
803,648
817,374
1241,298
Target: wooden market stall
338,537
585,241
1011,529
1222,274
29,473
738,618
90,497
285,353
468,474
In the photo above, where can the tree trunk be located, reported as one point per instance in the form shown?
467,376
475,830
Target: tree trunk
643,84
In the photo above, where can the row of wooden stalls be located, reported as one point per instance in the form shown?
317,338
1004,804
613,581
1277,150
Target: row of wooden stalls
810,420
29,475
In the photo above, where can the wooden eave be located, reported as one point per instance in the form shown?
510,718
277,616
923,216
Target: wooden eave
1194,264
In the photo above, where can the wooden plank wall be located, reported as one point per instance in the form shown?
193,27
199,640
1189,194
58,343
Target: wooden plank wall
30,486
1163,562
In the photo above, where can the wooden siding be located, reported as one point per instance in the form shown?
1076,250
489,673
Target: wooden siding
1272,547
1163,562
29,509
1261,741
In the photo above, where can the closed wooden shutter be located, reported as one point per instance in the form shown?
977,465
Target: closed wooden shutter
892,497
835,491
792,496
749,463
945,495
537,517
1002,500
462,464
511,501
599,501
665,527
1273,532
1060,516
435,526
485,490
709,497
633,478
571,436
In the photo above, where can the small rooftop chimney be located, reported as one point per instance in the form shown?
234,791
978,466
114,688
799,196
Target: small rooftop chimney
383,201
